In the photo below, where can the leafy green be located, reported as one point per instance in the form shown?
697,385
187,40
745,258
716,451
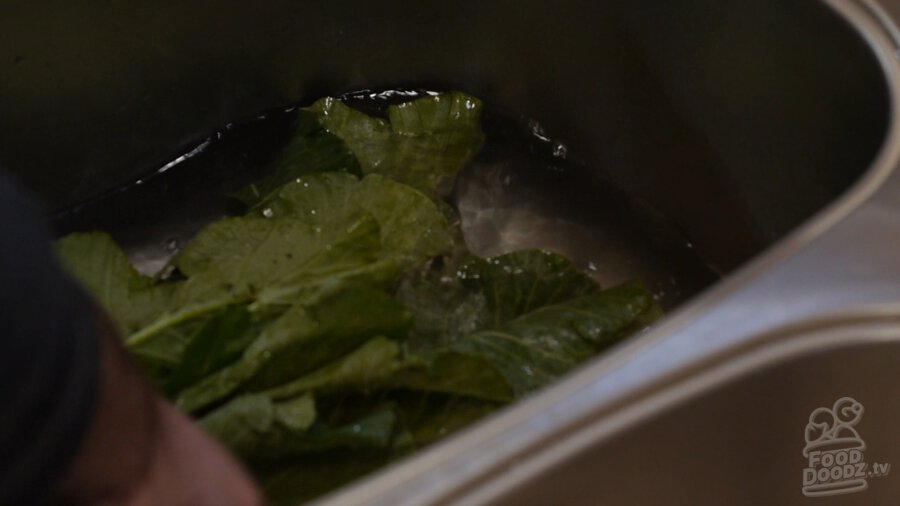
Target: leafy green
259,429
250,421
219,341
470,293
412,227
95,260
425,418
538,347
291,263
369,366
515,283
423,143
300,341
341,322
324,332
507,359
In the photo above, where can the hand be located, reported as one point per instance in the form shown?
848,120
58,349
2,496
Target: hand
141,451
189,468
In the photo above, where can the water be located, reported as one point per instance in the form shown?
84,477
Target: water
525,190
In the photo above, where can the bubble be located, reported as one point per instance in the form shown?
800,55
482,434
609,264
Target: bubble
171,245
537,130
560,151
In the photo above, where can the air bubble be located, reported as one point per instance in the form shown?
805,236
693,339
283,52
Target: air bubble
171,245
560,151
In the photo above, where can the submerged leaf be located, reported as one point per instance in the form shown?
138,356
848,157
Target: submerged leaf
538,347
270,264
220,340
426,418
412,227
248,423
424,143
370,365
470,293
516,283
341,323
259,429
302,340
97,262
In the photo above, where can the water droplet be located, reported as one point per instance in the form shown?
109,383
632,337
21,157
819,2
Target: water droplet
167,271
268,212
560,151
171,245
537,130
312,212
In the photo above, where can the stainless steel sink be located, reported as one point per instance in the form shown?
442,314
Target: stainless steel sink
766,130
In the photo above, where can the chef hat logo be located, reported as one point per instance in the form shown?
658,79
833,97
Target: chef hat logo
834,427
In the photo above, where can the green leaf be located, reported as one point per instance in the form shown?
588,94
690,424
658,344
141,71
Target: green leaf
166,349
247,254
443,309
270,264
97,262
219,341
412,227
322,200
538,347
467,294
424,143
448,371
311,149
516,283
367,367
249,423
258,429
426,418
302,340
